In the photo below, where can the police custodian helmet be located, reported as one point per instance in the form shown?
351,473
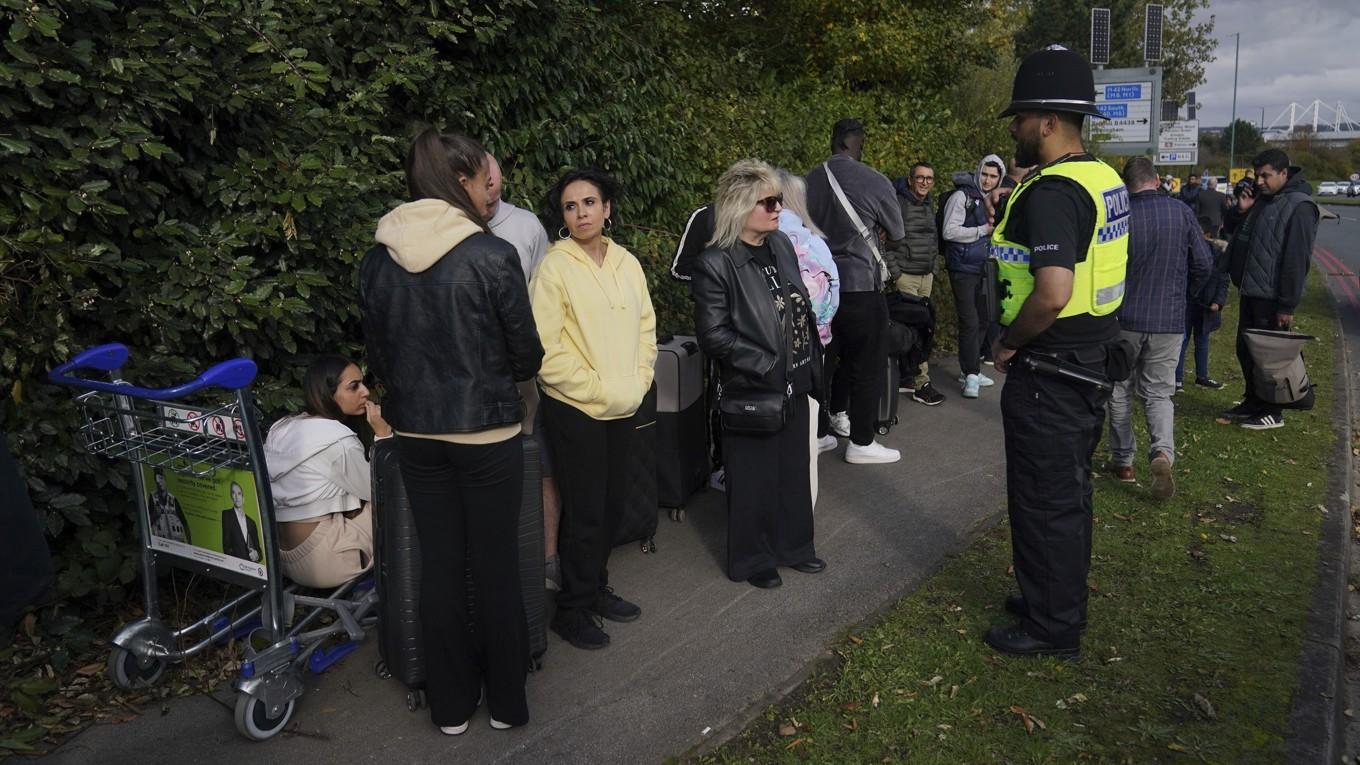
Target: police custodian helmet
1054,79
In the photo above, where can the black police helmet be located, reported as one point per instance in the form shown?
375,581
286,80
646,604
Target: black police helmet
1054,79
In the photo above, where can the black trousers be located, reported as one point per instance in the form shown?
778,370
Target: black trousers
856,358
466,500
1254,313
769,497
970,303
1052,427
592,470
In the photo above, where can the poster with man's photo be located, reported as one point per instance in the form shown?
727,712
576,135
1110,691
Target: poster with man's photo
211,519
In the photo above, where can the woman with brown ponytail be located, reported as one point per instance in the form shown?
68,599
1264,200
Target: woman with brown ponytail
449,332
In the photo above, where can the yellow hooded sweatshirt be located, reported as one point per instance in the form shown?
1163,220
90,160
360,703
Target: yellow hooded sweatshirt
597,327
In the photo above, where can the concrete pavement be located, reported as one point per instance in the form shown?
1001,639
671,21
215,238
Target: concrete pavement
706,655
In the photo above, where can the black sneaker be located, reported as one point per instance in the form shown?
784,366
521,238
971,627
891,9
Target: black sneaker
581,628
926,394
1242,411
614,608
1264,422
1205,382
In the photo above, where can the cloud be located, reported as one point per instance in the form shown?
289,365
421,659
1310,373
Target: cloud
1291,52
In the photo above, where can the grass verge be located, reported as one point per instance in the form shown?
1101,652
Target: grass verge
1196,617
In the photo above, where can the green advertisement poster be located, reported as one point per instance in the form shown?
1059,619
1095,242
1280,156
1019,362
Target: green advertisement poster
211,519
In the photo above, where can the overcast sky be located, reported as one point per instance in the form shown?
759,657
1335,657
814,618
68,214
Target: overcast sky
1292,50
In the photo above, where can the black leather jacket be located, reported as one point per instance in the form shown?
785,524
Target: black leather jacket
449,343
736,321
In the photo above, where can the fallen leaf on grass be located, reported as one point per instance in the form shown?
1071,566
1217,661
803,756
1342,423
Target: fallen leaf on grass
874,701
1175,747
91,669
786,730
856,639
932,682
1028,719
850,707
953,692
1222,420
1205,707
795,742
1228,538
1123,517
851,726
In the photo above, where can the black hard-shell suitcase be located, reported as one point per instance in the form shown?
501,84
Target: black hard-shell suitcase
886,417
397,569
681,423
638,523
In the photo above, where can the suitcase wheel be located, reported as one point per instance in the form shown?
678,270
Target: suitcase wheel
648,545
415,700
678,515
380,669
883,429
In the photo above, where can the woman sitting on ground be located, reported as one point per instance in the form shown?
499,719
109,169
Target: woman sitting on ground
319,477
754,318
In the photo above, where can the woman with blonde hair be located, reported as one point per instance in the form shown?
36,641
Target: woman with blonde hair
754,318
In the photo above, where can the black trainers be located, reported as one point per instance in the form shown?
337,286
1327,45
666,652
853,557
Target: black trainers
1206,382
926,394
1242,411
614,608
581,628
1264,422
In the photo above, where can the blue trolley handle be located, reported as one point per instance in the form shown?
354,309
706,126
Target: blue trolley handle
231,375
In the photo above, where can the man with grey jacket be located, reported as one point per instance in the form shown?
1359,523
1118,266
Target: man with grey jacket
856,231
1268,260
914,256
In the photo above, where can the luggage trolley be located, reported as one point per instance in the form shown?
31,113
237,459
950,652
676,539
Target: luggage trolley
204,505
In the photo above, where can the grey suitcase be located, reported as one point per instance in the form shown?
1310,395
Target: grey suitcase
681,423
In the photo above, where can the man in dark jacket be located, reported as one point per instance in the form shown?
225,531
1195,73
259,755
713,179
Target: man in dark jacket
1268,260
856,237
1209,207
915,256
1189,193
1168,259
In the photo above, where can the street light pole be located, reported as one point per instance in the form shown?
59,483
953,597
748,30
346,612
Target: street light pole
1232,140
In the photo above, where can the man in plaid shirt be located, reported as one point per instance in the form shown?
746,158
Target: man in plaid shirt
1167,256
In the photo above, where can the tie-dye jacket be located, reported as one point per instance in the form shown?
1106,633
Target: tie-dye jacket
818,270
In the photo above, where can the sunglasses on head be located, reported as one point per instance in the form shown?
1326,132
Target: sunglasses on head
771,203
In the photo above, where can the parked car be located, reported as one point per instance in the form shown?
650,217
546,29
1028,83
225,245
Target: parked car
1328,189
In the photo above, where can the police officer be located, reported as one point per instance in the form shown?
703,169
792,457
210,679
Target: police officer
1061,250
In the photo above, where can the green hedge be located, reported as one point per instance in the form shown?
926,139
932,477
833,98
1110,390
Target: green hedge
199,181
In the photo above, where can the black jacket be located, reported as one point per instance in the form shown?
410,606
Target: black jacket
915,253
450,342
737,322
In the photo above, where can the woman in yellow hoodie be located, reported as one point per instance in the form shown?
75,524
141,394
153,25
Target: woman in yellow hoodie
595,319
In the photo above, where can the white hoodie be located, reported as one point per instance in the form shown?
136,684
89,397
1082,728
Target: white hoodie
316,467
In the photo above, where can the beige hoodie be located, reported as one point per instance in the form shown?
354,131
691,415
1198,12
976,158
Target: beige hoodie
419,233
598,329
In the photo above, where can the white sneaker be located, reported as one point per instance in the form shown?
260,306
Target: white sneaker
840,424
970,386
983,380
872,454
826,443
498,725
453,730
718,480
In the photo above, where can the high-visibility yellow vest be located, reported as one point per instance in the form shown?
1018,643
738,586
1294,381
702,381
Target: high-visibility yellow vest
1098,281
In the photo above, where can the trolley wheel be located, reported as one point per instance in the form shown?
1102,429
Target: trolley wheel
129,671
678,514
380,669
253,720
648,545
883,430
415,700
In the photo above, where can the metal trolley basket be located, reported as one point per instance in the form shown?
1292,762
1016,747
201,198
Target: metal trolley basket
182,434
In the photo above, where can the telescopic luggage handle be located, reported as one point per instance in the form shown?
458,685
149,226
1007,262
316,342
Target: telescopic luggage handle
230,375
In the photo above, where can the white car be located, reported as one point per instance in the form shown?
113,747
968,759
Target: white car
1329,189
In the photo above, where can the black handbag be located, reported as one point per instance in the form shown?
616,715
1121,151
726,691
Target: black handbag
760,413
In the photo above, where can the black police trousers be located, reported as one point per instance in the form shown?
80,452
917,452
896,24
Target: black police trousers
1052,426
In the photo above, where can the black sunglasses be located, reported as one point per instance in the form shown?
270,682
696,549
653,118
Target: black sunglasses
771,203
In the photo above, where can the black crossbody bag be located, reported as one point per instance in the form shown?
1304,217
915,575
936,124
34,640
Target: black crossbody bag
761,413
